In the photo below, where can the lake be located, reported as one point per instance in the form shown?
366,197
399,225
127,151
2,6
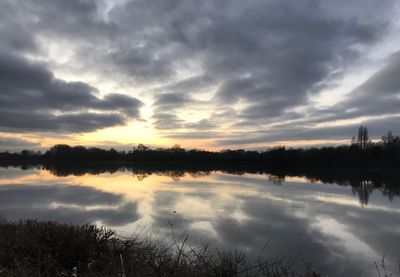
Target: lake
341,223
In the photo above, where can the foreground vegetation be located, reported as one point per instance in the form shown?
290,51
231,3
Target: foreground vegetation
361,152
32,248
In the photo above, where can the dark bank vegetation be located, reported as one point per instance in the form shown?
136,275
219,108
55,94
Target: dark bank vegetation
361,152
32,248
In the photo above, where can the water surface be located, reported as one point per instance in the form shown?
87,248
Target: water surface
342,228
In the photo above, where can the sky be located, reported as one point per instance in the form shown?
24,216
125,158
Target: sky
210,74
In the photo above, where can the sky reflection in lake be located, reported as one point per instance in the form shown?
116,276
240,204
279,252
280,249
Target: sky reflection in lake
341,229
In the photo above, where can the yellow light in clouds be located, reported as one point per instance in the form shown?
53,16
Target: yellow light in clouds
133,133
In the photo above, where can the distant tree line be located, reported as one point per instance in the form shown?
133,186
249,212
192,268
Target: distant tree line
361,152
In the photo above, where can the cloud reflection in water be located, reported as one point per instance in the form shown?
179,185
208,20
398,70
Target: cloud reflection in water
323,223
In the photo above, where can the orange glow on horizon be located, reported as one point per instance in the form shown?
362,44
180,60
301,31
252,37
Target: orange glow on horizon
110,139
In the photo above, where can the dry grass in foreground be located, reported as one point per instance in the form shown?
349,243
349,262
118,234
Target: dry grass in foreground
33,248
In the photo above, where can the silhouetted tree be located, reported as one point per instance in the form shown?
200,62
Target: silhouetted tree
353,140
141,147
391,140
177,148
363,138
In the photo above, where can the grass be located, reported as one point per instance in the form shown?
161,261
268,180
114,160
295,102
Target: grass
33,248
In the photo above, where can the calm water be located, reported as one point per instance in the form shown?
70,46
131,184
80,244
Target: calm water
342,229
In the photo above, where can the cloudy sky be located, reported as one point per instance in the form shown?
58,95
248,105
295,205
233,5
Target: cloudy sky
209,74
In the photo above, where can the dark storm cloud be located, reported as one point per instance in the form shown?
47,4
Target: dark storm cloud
32,99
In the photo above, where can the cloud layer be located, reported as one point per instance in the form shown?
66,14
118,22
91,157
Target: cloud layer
227,68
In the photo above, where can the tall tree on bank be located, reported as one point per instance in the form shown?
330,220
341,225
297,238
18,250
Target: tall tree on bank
363,138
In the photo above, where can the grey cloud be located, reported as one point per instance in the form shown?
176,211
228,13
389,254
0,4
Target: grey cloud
33,99
74,19
170,122
14,36
167,106
286,48
380,94
190,85
171,100
274,59
201,125
41,122
141,64
25,25
291,133
194,135
16,142
377,128
129,105
167,121
178,95
386,80
297,46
